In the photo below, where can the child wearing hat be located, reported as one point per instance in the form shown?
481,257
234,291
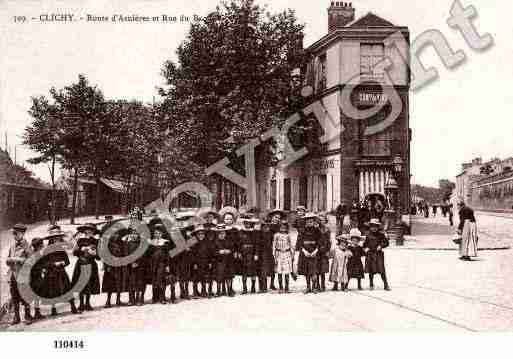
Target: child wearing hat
323,265
57,282
265,255
202,253
283,255
159,263
373,246
115,277
37,275
308,247
86,252
224,262
248,250
19,252
275,217
355,265
338,273
136,270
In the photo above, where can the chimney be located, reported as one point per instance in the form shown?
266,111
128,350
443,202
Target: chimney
339,15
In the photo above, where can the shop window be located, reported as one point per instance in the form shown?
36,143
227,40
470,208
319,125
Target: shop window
370,56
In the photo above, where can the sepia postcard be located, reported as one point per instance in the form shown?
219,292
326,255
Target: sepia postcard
255,166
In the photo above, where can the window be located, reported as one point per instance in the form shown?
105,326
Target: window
287,194
273,194
370,56
320,77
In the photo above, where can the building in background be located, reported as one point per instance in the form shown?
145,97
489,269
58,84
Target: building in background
487,185
353,165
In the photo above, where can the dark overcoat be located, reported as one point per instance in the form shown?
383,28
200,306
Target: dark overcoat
136,269
375,259
203,253
57,282
355,264
85,259
248,250
115,278
323,263
308,240
265,253
224,262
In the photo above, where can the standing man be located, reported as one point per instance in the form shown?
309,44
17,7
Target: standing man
18,254
341,212
468,231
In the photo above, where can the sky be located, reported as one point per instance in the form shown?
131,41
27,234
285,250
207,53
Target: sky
466,113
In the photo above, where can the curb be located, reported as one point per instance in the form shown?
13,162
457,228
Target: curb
450,249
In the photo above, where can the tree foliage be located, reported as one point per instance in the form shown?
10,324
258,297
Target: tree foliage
233,78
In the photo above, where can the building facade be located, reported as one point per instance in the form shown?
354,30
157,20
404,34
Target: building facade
486,185
362,156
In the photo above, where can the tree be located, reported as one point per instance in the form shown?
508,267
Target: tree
44,136
233,79
446,188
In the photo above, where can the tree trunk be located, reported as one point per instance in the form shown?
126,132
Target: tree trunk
97,199
74,202
52,208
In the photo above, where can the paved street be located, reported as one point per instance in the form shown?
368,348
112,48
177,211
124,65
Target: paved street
431,290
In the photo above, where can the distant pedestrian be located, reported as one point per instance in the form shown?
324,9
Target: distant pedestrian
435,208
468,231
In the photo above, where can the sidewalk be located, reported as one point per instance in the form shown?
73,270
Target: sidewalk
434,233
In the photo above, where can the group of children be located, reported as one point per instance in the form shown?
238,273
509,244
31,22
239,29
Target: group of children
217,250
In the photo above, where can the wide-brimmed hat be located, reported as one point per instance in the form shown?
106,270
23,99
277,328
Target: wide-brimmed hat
355,233
205,214
342,239
276,211
18,227
310,215
300,208
87,226
55,232
231,210
198,229
220,228
374,222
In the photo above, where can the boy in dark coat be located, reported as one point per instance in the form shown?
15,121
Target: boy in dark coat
249,257
57,282
265,255
86,251
373,246
308,247
184,264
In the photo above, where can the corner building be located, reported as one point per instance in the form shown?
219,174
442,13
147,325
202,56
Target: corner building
353,165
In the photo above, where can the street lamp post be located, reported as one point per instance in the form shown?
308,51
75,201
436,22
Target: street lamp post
393,214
